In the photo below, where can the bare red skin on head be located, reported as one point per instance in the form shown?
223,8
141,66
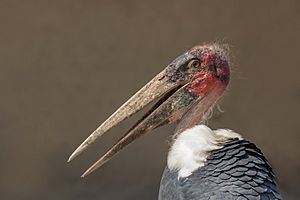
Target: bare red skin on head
206,81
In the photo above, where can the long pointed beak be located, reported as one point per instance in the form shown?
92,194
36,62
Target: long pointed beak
164,112
152,90
175,99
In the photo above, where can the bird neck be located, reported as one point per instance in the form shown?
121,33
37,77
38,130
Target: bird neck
199,113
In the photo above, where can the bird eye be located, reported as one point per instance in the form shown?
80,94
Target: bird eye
195,63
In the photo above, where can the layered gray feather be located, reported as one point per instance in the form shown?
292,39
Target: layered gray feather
239,170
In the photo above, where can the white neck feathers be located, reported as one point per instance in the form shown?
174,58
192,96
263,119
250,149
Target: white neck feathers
192,147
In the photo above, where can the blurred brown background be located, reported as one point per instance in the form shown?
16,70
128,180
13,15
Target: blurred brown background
67,65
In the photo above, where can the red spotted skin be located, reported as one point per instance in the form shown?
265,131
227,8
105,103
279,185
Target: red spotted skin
214,74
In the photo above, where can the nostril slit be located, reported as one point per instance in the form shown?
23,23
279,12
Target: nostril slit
212,68
161,78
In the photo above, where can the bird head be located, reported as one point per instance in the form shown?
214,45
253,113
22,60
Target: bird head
202,68
185,89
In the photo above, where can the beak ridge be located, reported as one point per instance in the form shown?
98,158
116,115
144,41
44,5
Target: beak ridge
165,113
157,87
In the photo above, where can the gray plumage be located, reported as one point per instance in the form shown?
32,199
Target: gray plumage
237,171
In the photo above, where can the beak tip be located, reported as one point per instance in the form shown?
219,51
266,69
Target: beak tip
78,151
70,159
73,155
95,166
87,172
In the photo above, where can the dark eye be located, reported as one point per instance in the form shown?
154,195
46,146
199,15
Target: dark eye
195,63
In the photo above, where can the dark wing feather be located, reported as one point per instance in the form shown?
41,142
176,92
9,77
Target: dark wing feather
237,171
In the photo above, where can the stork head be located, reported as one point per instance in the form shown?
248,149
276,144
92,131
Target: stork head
186,89
203,67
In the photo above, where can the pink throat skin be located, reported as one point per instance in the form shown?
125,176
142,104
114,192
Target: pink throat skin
197,113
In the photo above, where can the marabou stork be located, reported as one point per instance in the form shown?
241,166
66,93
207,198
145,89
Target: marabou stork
202,163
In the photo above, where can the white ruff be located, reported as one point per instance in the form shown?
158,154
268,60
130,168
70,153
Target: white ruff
192,147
